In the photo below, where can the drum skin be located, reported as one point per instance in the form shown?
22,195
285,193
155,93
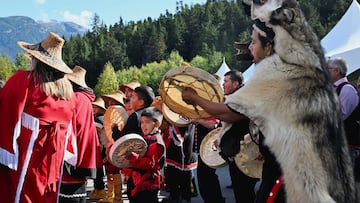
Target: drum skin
205,85
174,118
114,115
249,160
209,153
122,148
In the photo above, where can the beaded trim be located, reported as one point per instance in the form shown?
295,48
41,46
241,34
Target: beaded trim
275,190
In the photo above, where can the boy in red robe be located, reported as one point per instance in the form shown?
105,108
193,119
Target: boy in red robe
145,179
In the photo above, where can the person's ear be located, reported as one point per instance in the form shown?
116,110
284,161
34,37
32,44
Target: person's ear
142,102
236,83
157,124
268,49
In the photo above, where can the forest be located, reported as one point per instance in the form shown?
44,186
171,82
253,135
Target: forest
201,35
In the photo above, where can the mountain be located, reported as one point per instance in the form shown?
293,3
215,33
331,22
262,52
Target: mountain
21,28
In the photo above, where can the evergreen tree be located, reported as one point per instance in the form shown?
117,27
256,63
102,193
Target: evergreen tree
7,67
21,62
107,81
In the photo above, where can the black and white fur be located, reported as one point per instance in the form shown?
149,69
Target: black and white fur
291,99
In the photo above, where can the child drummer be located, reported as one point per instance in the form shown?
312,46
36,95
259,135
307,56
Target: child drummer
145,179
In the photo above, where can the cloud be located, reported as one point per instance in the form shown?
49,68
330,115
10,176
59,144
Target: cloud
40,1
42,16
82,19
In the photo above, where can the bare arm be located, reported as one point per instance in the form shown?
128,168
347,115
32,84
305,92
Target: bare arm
216,110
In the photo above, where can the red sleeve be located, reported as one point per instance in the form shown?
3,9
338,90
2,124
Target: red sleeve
212,119
167,138
151,159
12,101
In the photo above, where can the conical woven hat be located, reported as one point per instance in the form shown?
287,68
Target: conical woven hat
78,76
132,85
100,103
117,96
49,51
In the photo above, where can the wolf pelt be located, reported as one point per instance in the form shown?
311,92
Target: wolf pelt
291,99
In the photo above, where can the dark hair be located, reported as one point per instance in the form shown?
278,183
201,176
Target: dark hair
269,38
145,93
235,76
153,113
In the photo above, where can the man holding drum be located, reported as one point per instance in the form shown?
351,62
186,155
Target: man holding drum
260,47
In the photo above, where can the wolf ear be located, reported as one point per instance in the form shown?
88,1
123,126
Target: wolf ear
282,16
289,15
247,9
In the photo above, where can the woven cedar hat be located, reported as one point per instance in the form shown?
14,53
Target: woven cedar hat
132,85
49,51
117,96
100,103
78,76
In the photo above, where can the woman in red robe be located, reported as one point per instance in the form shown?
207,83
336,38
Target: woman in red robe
36,108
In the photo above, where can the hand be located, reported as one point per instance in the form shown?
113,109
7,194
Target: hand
133,156
188,95
195,121
216,143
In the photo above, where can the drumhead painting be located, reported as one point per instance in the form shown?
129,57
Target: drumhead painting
114,115
122,148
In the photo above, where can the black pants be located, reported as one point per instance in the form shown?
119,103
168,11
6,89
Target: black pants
208,182
178,183
243,185
145,197
72,193
99,180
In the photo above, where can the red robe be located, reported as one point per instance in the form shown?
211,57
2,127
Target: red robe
84,153
145,171
34,128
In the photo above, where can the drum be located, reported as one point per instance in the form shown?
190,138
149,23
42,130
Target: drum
114,115
209,153
174,118
249,160
205,85
122,148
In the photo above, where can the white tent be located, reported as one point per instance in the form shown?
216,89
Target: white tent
224,68
342,41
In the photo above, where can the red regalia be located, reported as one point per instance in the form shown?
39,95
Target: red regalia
34,128
82,149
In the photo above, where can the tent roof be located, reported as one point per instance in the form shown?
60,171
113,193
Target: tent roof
344,39
224,68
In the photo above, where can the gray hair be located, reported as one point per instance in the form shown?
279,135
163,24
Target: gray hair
338,63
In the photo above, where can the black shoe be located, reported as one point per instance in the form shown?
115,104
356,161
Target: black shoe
229,186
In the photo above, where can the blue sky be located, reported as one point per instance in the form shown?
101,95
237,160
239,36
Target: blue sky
82,11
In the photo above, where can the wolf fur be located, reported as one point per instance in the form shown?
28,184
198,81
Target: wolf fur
291,99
